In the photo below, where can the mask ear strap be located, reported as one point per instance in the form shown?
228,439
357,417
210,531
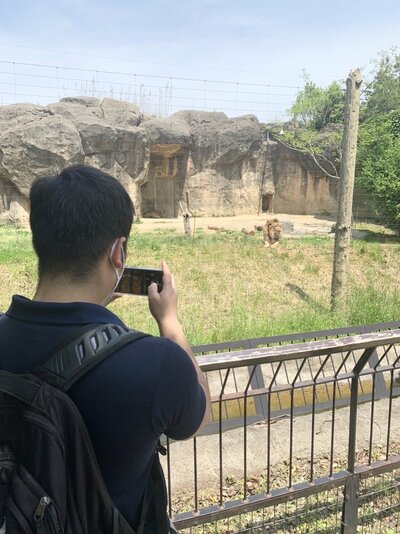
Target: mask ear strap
105,301
112,251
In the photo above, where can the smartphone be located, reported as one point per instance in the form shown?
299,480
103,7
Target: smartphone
136,280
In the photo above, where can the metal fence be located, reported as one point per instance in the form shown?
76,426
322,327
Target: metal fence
233,411
303,438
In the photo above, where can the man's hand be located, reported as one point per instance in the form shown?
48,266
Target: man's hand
164,306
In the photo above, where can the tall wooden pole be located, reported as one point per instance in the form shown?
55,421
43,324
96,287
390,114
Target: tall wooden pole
347,173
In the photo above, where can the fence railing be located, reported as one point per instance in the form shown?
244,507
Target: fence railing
233,412
313,442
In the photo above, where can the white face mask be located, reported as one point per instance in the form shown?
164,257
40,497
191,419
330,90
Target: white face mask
118,275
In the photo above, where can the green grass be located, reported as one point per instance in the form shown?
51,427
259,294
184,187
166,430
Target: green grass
230,287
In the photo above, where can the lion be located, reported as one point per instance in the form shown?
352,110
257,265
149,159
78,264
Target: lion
272,233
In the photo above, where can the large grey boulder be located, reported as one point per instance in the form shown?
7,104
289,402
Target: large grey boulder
90,109
37,141
30,148
218,140
169,131
107,128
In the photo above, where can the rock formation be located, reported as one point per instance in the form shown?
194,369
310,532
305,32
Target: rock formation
212,164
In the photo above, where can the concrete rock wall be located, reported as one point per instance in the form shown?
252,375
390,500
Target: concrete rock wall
302,188
213,164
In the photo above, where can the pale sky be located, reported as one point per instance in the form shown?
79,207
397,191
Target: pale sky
175,55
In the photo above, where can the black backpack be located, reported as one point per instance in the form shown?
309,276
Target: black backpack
50,482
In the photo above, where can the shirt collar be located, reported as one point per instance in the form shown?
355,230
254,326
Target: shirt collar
33,311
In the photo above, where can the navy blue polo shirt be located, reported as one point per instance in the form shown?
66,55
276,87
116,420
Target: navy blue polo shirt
145,389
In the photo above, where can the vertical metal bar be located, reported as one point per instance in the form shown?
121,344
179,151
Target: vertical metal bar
169,477
291,436
353,423
371,430
389,413
196,496
269,428
220,435
333,426
312,434
246,391
299,368
245,449
315,378
268,488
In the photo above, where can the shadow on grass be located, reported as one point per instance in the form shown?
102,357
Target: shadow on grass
306,298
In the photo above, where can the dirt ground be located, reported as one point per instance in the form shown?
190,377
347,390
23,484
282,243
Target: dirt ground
291,224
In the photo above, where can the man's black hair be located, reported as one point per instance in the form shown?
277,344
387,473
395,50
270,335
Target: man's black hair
75,217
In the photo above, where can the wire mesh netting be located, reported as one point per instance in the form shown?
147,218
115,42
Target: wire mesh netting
379,504
319,513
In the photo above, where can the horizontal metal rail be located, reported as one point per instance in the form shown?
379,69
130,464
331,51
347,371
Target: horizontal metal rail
229,360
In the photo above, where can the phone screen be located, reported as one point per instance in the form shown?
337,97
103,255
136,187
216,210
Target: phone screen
136,280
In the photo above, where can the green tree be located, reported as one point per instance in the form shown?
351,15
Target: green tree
323,147
383,93
316,107
379,163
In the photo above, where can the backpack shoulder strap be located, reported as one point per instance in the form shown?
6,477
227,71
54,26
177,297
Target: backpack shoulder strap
76,357
18,386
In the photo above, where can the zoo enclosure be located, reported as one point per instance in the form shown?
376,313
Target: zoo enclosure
279,397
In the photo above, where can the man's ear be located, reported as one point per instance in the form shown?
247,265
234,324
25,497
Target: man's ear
117,254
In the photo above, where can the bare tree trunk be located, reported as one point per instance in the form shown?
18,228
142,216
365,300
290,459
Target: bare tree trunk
347,173
186,220
186,225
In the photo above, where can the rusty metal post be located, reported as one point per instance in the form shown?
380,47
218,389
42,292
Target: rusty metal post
350,506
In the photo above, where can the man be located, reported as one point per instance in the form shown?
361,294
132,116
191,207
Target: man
80,222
